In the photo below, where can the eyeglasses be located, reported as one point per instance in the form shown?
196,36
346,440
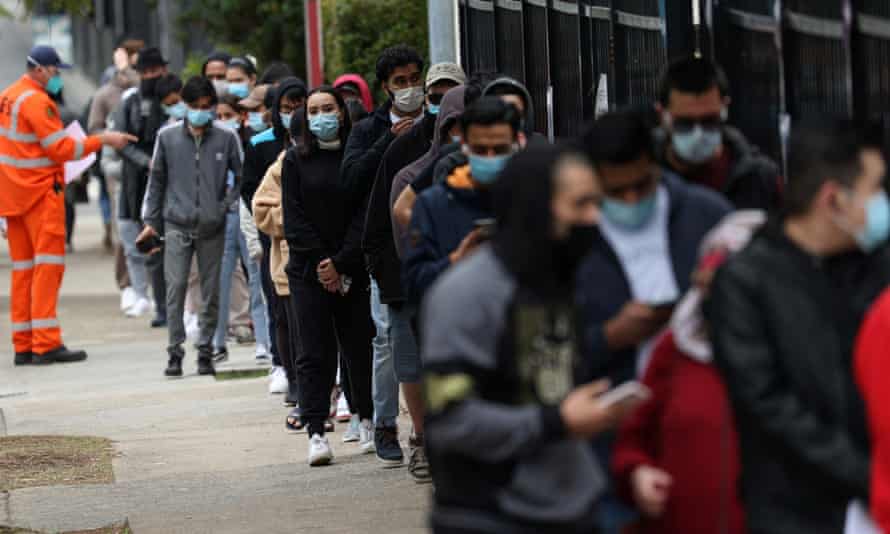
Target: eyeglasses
707,122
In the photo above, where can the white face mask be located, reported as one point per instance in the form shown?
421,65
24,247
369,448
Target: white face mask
408,100
222,87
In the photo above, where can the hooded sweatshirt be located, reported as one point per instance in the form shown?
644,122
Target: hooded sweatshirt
500,349
377,240
529,118
450,110
265,146
367,100
269,217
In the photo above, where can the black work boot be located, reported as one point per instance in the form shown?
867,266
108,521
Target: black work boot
205,361
60,355
24,358
174,364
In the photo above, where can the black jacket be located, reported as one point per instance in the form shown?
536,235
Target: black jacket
754,182
319,216
365,148
777,317
377,241
142,118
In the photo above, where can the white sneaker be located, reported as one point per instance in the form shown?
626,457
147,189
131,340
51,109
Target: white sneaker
320,452
278,381
140,308
366,436
262,353
343,413
128,298
352,432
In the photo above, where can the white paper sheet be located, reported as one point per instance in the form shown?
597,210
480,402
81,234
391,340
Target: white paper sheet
73,169
859,521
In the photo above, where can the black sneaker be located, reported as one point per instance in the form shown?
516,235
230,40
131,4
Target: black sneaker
205,362
174,364
220,355
160,321
60,355
418,465
24,358
386,441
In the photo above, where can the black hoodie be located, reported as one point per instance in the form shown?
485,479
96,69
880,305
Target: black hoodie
264,148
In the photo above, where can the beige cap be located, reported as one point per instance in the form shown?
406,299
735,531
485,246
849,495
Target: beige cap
445,71
256,97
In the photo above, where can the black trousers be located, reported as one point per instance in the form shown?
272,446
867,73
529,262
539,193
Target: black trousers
269,293
325,321
283,337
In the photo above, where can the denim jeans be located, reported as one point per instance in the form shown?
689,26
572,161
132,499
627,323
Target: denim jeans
406,356
385,385
235,250
129,230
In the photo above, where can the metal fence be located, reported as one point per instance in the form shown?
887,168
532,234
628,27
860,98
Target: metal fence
786,59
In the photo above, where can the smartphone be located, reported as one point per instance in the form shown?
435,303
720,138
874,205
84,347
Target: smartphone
150,243
629,392
486,227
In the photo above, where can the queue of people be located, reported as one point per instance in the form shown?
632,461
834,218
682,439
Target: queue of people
643,329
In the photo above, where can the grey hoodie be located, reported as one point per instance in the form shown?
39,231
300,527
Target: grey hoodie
494,375
188,188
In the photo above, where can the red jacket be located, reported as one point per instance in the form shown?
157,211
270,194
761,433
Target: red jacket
872,365
686,429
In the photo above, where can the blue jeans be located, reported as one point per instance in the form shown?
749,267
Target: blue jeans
404,347
129,231
385,386
235,249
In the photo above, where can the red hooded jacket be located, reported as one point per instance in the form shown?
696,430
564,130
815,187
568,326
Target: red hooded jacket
367,100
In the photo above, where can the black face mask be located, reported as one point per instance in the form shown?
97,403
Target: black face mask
569,252
147,87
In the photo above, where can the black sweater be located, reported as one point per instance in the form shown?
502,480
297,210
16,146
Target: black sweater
320,215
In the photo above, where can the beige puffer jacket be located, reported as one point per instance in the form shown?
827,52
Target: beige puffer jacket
269,217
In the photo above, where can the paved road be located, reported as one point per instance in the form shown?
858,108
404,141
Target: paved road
195,455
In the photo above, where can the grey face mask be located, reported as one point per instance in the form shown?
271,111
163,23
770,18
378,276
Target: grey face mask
408,100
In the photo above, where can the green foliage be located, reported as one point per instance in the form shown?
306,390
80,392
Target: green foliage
356,31
268,29
29,7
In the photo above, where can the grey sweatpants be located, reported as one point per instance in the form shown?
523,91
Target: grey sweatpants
179,248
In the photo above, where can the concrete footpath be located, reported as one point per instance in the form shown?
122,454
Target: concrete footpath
195,454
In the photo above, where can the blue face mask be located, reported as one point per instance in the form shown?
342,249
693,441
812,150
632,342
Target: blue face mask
177,110
231,124
325,126
433,109
54,85
697,146
239,89
199,117
285,121
631,216
456,139
877,223
256,122
485,169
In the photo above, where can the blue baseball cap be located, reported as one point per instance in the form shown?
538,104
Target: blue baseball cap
46,56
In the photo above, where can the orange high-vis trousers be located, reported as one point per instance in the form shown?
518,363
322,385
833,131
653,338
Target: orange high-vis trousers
37,248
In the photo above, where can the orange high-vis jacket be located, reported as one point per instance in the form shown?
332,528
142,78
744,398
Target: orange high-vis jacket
33,146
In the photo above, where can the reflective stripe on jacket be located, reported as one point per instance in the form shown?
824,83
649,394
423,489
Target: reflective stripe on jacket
33,146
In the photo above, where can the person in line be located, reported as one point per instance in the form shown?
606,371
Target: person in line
642,259
189,197
214,69
275,72
508,430
445,226
777,316
326,273
141,114
399,72
676,457
383,259
240,77
255,113
697,144
284,103
235,255
354,90
33,149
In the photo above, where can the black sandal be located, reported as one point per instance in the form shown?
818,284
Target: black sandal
294,421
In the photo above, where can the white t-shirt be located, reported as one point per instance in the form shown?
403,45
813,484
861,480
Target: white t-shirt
645,257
